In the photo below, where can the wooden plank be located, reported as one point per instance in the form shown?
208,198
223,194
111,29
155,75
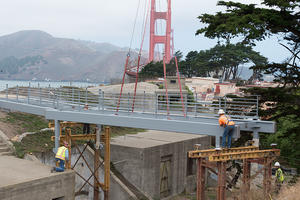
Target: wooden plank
209,152
244,155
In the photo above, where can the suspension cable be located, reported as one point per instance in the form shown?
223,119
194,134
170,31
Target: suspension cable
166,85
139,58
179,82
134,25
164,64
123,80
128,55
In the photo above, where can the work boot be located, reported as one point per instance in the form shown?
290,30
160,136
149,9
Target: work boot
53,169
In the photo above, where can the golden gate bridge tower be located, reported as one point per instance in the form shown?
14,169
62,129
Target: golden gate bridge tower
166,39
161,39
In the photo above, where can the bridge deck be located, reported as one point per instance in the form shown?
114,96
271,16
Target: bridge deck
191,116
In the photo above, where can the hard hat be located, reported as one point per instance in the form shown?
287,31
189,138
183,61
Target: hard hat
221,111
277,164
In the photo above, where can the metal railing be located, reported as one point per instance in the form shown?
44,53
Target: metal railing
70,98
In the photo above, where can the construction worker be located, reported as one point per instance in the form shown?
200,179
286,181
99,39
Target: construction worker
228,125
61,156
279,178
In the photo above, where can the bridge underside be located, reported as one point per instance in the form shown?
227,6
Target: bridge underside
202,125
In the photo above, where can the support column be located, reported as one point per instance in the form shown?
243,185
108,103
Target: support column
57,134
246,178
69,140
97,163
267,177
256,138
221,180
107,163
256,143
200,179
218,141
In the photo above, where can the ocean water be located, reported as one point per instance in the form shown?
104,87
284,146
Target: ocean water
43,84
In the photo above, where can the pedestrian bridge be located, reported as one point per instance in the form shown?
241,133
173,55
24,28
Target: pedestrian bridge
187,115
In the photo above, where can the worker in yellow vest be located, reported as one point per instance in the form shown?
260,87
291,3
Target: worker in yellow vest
279,177
228,125
61,156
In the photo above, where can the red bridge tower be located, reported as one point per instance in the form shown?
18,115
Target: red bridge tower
161,39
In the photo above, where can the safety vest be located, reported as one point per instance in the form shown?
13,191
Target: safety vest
279,175
225,120
61,153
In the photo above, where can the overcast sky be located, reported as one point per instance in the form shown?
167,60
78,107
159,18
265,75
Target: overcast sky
112,21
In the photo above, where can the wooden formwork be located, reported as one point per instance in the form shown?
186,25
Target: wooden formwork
105,139
217,161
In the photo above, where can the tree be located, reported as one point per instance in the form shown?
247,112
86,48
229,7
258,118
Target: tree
222,58
252,23
156,69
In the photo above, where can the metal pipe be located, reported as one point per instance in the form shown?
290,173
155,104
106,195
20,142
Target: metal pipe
6,91
40,93
99,98
144,101
86,96
57,134
17,93
196,103
28,93
102,95
72,95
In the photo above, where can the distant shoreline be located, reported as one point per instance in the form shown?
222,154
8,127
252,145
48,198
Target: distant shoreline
43,84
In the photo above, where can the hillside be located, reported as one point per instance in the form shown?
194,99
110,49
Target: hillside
38,55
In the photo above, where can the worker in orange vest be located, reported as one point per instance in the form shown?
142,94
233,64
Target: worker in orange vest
62,155
228,125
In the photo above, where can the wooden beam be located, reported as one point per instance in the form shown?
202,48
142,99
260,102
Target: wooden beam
209,152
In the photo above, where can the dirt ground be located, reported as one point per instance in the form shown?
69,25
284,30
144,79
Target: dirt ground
9,130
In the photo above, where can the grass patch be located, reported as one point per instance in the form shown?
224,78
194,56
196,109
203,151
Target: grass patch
39,142
24,122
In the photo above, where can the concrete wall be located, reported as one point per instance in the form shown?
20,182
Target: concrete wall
118,191
47,188
142,166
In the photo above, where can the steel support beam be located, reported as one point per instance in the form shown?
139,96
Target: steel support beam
193,125
137,122
57,134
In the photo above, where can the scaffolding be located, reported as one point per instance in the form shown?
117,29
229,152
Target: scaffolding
217,161
96,137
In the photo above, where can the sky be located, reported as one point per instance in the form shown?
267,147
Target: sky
112,21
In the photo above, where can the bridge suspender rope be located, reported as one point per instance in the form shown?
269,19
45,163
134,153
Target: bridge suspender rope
164,60
166,85
128,55
123,79
139,58
179,82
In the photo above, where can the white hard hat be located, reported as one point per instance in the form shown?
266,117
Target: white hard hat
277,164
221,111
